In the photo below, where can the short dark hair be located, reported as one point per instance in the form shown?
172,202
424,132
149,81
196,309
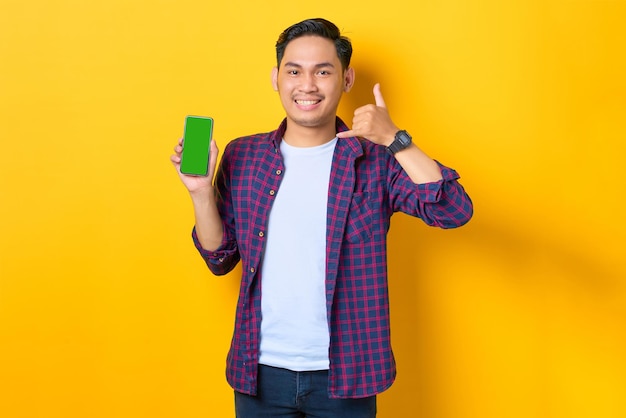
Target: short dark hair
316,27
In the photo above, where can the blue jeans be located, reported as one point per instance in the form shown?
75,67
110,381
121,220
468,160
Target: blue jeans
284,393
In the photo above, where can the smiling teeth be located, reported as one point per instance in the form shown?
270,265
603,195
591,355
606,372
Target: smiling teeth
306,102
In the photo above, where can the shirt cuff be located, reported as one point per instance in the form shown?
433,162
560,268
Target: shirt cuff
216,256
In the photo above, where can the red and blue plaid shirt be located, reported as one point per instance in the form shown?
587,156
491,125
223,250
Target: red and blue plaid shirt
367,185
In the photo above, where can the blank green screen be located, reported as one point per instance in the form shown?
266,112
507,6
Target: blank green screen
196,142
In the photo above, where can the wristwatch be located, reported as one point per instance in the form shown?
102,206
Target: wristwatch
400,142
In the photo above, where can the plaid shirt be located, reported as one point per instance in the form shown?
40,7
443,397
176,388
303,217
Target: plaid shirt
367,186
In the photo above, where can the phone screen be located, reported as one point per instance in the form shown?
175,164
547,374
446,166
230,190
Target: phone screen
196,144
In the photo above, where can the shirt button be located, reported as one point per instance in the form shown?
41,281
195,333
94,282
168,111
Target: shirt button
252,270
279,172
272,192
221,259
261,234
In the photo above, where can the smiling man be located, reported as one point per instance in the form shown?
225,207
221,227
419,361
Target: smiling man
306,209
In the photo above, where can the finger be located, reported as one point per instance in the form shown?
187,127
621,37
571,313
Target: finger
213,154
346,134
364,109
380,102
214,148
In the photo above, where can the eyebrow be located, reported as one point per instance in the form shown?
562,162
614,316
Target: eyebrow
320,65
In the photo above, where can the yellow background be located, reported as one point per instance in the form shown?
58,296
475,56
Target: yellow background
106,309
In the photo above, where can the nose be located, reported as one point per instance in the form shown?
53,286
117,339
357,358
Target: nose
308,83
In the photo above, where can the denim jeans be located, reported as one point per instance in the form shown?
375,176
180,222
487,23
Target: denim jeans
288,394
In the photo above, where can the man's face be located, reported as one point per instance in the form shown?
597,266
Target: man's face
310,81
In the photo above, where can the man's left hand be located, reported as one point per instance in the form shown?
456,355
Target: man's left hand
373,122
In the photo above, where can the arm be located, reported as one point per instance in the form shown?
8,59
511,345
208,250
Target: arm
209,228
419,166
216,245
208,223
422,187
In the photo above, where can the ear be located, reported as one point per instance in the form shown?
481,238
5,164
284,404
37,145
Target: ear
275,78
348,79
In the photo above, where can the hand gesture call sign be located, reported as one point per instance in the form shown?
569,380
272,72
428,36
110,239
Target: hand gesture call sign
373,122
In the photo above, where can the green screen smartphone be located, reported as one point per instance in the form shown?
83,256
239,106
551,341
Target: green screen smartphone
196,144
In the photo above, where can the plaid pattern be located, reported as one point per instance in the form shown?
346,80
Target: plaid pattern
367,186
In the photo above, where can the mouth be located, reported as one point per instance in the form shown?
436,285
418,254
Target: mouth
307,102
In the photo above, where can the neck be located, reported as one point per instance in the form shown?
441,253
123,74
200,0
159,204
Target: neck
304,136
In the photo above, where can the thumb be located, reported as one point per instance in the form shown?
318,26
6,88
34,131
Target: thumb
380,102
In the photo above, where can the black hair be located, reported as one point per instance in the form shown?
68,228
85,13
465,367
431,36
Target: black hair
316,27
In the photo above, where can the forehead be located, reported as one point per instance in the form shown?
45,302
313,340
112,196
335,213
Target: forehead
311,50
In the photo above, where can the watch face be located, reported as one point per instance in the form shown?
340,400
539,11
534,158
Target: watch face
400,142
404,138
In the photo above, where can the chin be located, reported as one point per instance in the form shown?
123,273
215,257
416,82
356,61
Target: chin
312,122
308,123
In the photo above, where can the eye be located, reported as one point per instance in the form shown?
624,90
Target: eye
324,72
292,72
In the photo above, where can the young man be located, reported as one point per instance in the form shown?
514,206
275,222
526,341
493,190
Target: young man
306,209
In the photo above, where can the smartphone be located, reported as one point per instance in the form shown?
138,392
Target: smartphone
196,144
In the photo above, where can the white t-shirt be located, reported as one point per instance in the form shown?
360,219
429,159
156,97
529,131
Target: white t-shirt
294,327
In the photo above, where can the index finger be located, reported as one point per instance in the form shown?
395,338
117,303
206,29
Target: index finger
346,134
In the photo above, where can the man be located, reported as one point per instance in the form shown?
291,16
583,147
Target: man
306,209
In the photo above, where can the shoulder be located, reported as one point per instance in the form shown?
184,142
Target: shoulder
248,151
249,140
248,143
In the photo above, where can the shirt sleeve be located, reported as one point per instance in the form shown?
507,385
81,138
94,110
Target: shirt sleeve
443,203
